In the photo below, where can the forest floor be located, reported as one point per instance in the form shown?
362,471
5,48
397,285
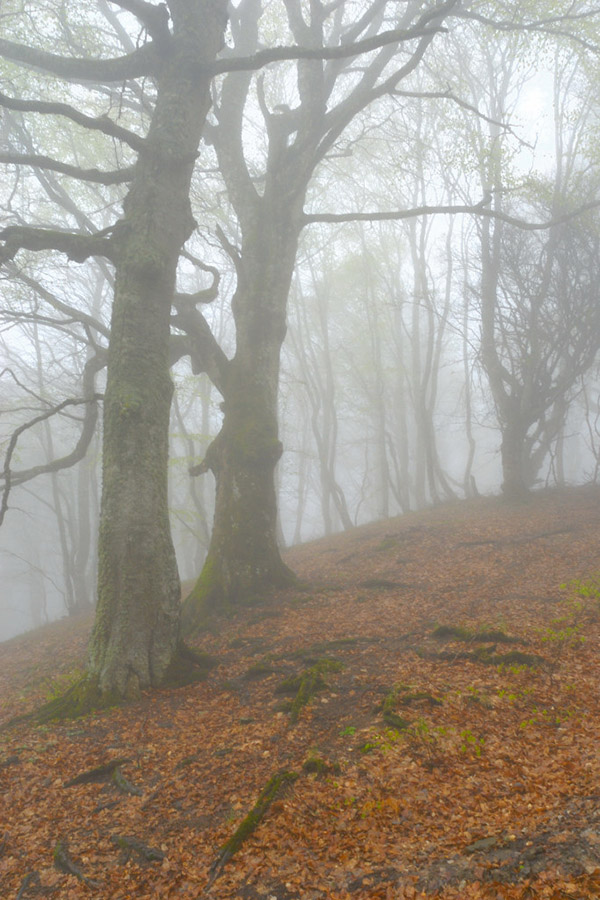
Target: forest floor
451,749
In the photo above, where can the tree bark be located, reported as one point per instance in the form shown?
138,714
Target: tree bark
512,451
136,632
243,558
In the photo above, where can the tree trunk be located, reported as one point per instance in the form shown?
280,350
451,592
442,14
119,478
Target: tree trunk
243,558
512,450
136,632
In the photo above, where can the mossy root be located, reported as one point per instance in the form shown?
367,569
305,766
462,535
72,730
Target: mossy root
273,787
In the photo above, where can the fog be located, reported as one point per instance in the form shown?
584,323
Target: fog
427,359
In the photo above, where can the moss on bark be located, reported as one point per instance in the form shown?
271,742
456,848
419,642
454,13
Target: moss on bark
80,699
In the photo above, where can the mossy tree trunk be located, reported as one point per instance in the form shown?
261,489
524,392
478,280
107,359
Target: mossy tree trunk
136,632
244,558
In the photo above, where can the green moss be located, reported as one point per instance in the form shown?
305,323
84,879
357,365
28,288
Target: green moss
200,603
80,699
260,669
251,428
272,788
390,717
305,685
406,695
188,666
315,764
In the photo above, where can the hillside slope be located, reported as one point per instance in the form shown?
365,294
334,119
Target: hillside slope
420,720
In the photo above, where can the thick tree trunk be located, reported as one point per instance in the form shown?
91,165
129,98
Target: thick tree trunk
136,632
243,558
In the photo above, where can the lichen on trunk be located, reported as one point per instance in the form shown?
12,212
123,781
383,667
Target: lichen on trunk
136,634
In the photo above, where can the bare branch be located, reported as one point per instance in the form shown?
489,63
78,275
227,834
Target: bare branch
77,247
75,314
99,123
143,61
279,54
478,209
89,425
119,176
543,26
155,19
450,95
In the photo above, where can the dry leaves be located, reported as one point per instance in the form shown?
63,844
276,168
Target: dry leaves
492,794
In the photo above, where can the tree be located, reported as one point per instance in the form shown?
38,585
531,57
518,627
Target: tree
546,335
540,319
136,632
305,117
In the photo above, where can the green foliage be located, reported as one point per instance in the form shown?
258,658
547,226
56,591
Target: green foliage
580,607
348,730
542,716
471,743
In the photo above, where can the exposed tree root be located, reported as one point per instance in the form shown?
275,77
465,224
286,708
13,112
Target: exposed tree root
188,667
85,697
31,880
484,635
80,699
131,846
64,863
99,773
306,685
273,787
487,656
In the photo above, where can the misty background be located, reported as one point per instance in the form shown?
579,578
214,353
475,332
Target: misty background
413,346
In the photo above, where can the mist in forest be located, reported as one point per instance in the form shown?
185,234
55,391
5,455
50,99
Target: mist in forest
427,358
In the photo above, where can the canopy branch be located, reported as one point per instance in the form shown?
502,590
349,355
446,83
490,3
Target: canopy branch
279,54
94,123
118,176
143,61
155,19
479,209
77,247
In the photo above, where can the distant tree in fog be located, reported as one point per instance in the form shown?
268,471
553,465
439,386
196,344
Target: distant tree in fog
540,334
